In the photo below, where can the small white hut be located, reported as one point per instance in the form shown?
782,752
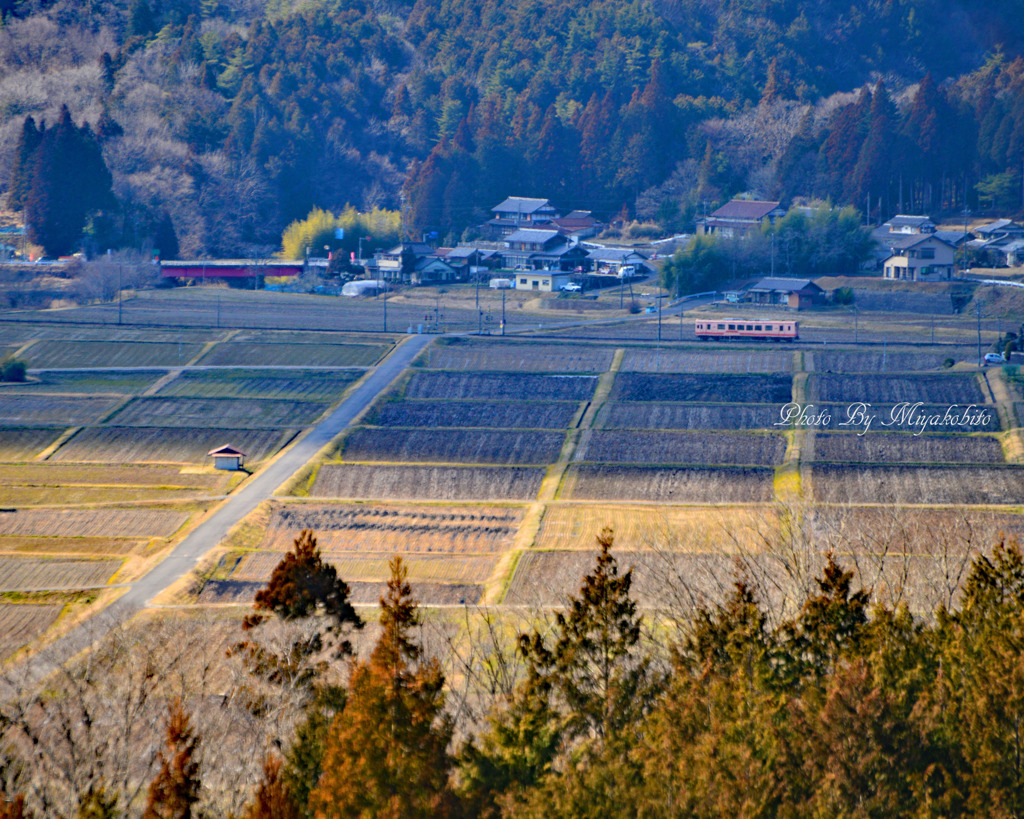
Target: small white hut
227,457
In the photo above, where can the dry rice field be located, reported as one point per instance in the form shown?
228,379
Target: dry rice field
96,546
244,353
26,496
373,566
668,484
436,483
474,446
675,528
842,361
308,385
742,389
19,574
656,447
390,528
500,386
242,592
244,413
494,414
686,416
950,389
904,448
89,382
85,354
23,443
119,445
20,623
519,357
927,485
48,474
52,409
101,523
711,362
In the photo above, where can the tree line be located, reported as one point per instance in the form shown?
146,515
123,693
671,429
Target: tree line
843,707
223,122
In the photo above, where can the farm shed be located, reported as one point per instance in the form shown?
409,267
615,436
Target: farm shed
227,457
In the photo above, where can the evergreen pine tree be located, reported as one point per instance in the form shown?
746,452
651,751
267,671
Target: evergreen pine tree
386,753
174,791
24,163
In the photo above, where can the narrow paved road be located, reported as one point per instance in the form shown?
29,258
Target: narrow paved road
239,504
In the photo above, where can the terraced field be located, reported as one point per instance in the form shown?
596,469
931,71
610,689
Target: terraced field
245,413
493,414
32,574
657,447
740,389
665,416
949,389
121,445
438,483
306,385
471,446
21,623
16,410
499,387
87,354
245,353
23,443
608,482
531,357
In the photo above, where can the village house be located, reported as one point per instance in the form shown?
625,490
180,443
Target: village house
542,282
610,261
516,212
532,249
1000,243
795,294
919,257
739,217
579,224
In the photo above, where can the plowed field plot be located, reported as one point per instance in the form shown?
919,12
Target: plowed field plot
709,361
427,482
500,386
22,444
679,580
231,412
878,361
21,623
28,574
475,446
687,416
116,445
659,578
500,414
650,447
90,382
930,485
22,496
358,528
678,528
127,523
519,357
911,417
373,566
309,385
48,474
52,409
740,389
241,353
903,448
668,485
892,530
70,545
314,337
242,592
86,354
878,389
51,328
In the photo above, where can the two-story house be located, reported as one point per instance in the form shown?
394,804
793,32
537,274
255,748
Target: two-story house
519,211
919,257
534,249
739,217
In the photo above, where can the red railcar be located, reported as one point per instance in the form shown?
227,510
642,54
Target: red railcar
757,329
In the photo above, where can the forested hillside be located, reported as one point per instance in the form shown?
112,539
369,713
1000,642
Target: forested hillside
228,119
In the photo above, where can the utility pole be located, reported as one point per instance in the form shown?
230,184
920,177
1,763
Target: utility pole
977,305
503,311
119,294
385,307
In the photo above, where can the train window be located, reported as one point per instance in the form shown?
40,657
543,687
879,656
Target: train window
768,327
721,326
732,326
750,326
758,327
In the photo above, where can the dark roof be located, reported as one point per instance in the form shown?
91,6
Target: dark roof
999,226
521,204
461,252
225,450
905,242
745,209
784,285
902,220
953,237
613,254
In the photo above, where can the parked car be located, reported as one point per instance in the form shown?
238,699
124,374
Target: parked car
571,287
994,358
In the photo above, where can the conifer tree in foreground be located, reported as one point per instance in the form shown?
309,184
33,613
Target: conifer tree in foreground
386,753
174,791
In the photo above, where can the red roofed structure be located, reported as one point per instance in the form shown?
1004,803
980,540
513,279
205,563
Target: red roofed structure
738,217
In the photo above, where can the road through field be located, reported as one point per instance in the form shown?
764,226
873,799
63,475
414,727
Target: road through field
239,504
